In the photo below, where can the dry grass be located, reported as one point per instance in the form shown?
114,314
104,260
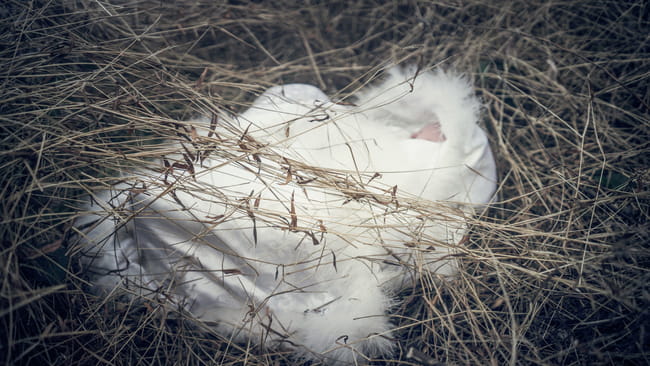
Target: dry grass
556,272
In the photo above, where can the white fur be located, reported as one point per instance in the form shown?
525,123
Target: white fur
191,236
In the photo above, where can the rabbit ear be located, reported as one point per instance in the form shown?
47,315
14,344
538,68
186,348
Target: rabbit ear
431,132
419,99
440,107
277,107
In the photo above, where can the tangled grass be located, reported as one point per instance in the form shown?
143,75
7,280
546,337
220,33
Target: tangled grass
555,271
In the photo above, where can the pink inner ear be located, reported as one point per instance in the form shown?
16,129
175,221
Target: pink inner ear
431,132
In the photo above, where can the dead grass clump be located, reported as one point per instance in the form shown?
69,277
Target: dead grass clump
555,272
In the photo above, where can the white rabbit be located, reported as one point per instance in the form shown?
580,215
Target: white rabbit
257,242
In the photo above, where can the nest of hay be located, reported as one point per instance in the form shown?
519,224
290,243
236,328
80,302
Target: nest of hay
557,268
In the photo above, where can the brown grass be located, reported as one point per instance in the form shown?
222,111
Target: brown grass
556,271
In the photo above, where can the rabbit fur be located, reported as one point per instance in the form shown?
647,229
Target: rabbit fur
290,263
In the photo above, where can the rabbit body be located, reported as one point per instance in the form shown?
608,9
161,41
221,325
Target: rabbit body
293,263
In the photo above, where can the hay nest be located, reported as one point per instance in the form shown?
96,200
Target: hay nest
556,270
